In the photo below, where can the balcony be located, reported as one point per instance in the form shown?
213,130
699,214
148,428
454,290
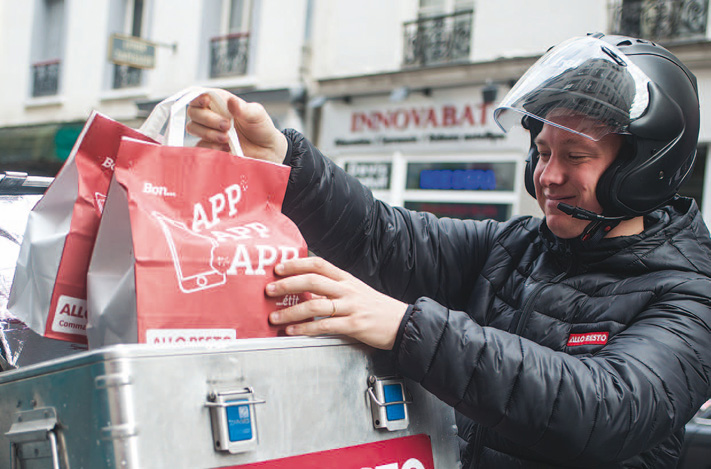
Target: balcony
126,77
438,40
45,78
660,20
229,55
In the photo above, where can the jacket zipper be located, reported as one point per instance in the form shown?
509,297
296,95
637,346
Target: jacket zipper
478,446
523,319
528,305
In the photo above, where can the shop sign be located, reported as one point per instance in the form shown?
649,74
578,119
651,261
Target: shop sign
132,51
449,119
465,211
463,176
373,175
445,116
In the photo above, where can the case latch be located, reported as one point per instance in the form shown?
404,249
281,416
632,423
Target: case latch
32,436
234,422
387,403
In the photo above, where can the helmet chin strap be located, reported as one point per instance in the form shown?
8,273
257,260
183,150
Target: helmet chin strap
599,225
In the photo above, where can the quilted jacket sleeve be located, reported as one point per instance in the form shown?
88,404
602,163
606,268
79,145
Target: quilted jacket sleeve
343,223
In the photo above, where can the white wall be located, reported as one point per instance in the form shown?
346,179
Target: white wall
280,42
359,37
15,31
366,37
515,28
85,70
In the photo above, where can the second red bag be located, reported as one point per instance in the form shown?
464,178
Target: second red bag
187,243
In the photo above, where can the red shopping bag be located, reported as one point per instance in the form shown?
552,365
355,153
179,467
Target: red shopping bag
49,287
186,246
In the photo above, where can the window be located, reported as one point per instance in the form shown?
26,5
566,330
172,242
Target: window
462,189
238,16
47,47
441,7
456,187
125,76
659,19
441,34
229,51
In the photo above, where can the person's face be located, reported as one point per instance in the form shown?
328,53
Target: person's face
567,171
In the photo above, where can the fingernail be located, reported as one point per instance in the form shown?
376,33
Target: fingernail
224,125
222,138
279,268
271,288
275,316
291,330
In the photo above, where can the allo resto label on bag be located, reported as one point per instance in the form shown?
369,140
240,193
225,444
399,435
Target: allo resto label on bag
207,232
410,452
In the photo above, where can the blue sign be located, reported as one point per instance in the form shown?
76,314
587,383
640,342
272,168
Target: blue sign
393,393
458,179
239,422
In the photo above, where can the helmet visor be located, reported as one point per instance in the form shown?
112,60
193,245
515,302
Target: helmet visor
583,85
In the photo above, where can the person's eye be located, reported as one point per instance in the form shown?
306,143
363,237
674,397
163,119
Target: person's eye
544,154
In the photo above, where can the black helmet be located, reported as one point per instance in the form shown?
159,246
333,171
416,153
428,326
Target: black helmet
628,86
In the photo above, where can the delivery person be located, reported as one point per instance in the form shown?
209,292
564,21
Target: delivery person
582,339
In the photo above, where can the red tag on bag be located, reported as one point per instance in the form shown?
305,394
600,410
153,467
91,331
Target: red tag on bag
207,231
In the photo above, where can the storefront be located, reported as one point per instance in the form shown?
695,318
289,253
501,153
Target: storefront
438,151
38,150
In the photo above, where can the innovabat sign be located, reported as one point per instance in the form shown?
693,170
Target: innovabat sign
421,118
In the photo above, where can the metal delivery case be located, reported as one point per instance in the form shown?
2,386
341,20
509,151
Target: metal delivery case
225,405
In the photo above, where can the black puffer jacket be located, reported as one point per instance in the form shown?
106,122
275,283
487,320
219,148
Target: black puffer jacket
551,354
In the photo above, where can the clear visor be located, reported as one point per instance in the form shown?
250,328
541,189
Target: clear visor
583,85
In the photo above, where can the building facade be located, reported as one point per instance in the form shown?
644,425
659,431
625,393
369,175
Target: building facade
403,98
399,93
64,58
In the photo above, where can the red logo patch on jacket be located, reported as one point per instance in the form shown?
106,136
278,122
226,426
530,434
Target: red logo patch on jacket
589,338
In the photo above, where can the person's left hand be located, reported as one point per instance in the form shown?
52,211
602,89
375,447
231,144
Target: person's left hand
346,305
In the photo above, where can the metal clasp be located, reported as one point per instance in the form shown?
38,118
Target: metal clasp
388,402
30,432
234,421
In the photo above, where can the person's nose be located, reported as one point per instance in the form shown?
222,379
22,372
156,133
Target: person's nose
553,171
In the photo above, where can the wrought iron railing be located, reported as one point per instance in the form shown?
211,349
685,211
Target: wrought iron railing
438,39
126,76
229,55
45,78
659,20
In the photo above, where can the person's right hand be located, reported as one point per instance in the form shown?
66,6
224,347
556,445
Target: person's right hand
258,136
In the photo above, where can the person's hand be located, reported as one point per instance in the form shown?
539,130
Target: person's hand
346,305
255,129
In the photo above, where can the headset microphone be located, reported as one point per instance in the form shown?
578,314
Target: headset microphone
582,214
599,225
